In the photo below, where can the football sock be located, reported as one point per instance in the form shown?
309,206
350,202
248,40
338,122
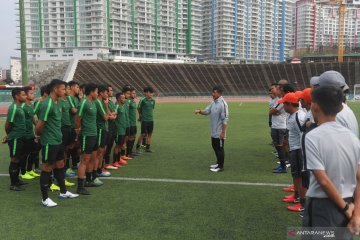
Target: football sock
88,176
59,174
94,175
14,173
80,182
45,178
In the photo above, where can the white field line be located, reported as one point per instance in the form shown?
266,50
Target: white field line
189,181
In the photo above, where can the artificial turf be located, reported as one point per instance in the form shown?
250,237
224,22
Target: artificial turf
160,210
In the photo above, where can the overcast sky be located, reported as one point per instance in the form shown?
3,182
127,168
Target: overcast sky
8,40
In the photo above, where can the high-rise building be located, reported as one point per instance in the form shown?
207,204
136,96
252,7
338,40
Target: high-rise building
247,30
145,28
91,29
15,69
230,30
305,21
3,74
317,25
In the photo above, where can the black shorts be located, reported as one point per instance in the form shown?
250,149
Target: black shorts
296,162
16,148
112,133
66,134
88,144
133,131
127,131
31,146
147,127
72,136
52,153
120,140
305,179
278,136
102,138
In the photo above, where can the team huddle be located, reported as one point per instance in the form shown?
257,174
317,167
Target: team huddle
80,123
316,134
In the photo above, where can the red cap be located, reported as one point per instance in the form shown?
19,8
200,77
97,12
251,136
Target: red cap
298,94
306,95
289,98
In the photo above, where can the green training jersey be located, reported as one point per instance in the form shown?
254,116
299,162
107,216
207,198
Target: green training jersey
65,112
112,109
147,109
88,113
132,112
101,111
50,113
111,105
120,120
127,106
74,103
16,116
29,120
37,107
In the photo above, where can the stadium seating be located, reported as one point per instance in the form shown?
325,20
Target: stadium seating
45,77
198,79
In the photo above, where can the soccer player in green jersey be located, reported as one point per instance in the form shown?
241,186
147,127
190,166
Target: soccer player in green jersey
74,146
102,118
112,131
81,95
132,121
34,157
44,91
146,112
66,128
86,124
121,124
15,129
126,92
32,147
49,129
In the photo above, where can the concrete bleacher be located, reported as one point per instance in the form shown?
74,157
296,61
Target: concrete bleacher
198,79
46,76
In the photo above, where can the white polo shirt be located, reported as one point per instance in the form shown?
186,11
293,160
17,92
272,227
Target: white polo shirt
310,116
273,102
346,118
279,121
294,126
336,150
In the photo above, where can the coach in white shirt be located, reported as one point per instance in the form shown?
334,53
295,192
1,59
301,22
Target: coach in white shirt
333,154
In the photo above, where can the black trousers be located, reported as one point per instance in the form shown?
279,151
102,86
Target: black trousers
218,146
321,213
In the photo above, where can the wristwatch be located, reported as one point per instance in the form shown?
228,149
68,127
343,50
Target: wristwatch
346,207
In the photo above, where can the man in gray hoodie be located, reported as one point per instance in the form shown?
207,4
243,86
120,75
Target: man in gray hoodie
219,116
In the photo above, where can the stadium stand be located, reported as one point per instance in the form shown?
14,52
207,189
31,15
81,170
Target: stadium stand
46,76
197,79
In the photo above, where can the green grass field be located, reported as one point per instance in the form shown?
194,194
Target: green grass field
162,210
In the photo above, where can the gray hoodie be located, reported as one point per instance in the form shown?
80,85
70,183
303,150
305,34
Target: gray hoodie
219,115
